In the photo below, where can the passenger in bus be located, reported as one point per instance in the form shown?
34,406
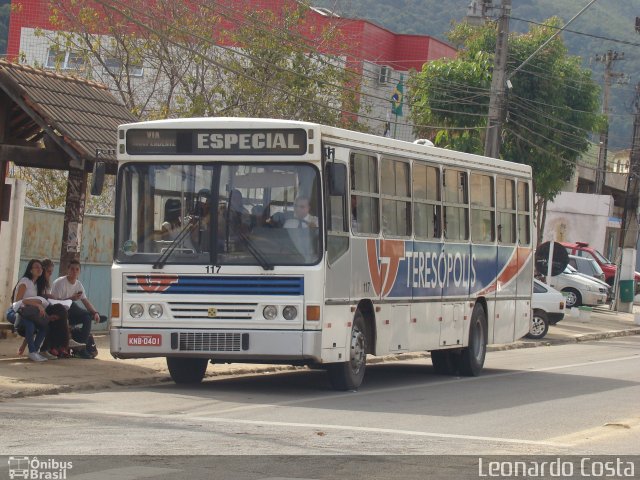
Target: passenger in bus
301,216
172,219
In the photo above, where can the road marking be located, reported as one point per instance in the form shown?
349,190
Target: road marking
317,426
126,473
414,386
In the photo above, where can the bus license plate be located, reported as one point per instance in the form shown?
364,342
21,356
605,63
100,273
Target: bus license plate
144,340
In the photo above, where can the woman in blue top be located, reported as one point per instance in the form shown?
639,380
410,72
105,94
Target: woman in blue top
30,290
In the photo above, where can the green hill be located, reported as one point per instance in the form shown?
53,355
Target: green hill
613,20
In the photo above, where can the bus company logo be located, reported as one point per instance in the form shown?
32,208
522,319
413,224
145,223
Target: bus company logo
156,284
384,257
33,468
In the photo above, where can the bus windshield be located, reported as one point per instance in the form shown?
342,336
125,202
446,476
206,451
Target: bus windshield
218,214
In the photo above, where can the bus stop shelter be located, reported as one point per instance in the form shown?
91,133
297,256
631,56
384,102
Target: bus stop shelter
54,121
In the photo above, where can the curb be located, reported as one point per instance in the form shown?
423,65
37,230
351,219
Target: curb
159,378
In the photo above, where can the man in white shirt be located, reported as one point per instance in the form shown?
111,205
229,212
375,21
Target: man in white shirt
70,288
302,218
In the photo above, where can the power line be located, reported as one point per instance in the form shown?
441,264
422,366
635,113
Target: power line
600,37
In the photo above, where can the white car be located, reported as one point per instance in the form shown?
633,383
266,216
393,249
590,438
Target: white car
548,309
578,289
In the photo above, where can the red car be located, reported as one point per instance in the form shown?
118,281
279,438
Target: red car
582,249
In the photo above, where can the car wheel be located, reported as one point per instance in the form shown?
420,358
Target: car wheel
573,297
539,325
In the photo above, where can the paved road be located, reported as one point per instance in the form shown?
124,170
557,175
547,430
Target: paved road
566,399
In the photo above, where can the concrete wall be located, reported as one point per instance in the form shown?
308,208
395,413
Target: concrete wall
10,239
581,217
41,238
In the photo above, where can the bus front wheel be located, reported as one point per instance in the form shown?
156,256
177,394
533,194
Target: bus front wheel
348,375
472,356
187,370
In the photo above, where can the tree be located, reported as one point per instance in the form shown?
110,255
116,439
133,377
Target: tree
169,59
552,107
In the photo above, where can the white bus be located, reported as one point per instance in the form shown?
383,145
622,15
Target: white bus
273,241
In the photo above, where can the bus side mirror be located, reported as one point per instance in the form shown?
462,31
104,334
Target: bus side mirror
337,178
97,179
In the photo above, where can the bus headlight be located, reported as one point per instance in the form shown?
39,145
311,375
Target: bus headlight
270,312
290,312
155,310
136,310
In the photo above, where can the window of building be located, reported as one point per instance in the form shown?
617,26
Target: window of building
396,198
365,210
427,216
65,59
456,209
114,65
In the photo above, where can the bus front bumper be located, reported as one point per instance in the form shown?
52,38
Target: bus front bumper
229,345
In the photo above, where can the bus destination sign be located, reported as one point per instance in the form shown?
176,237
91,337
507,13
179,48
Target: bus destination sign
217,142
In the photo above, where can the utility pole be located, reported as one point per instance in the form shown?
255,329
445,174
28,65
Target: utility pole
497,101
629,227
608,59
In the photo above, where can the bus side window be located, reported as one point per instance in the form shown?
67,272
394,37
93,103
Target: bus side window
456,206
524,214
427,212
482,211
506,206
365,206
396,198
337,224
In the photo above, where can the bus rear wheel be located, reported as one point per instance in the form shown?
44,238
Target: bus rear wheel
472,356
187,371
445,362
349,375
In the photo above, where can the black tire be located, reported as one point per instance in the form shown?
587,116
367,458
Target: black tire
573,297
445,362
187,371
349,375
472,356
539,325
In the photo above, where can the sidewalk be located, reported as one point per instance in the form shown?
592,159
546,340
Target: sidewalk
20,377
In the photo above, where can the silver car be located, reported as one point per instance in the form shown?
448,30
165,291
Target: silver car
578,289
587,265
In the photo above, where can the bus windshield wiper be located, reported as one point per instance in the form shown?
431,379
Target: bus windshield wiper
256,252
162,259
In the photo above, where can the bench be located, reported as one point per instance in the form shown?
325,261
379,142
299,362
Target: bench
5,326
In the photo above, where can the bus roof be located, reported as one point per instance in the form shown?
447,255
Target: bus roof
354,139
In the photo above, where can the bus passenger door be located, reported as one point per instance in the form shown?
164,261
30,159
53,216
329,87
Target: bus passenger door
454,268
338,261
426,308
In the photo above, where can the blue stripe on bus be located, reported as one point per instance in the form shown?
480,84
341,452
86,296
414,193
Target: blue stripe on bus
232,285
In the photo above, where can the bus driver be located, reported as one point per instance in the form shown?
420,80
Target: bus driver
301,216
